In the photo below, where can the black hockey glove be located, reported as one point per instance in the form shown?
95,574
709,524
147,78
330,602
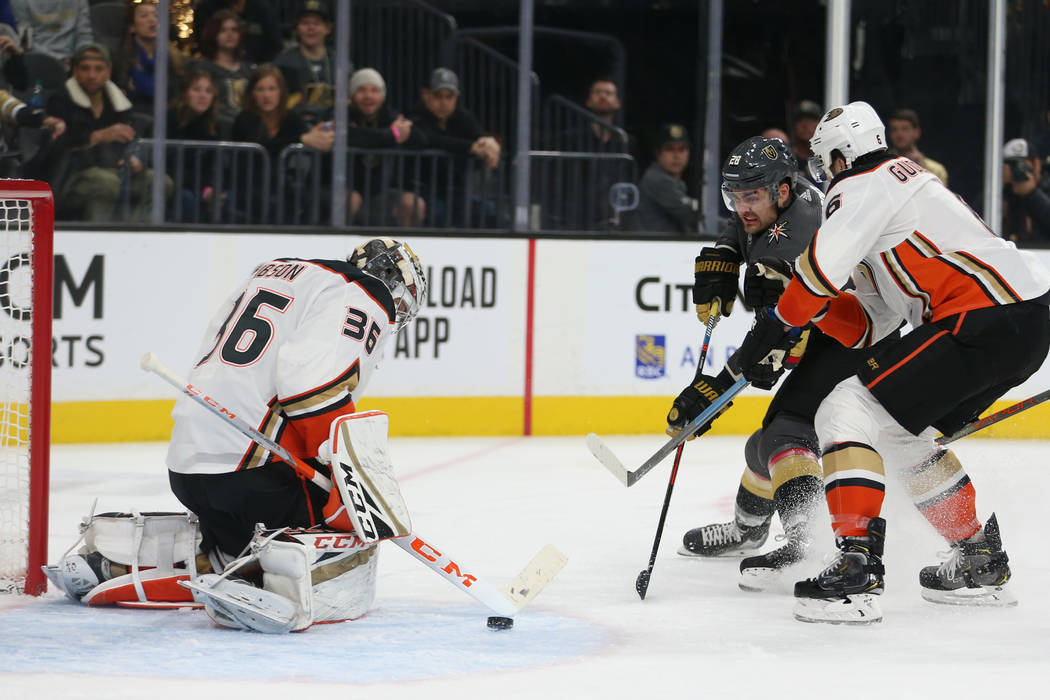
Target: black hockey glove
716,274
765,281
767,343
696,397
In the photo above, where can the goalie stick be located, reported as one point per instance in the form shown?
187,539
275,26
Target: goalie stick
611,462
506,601
641,584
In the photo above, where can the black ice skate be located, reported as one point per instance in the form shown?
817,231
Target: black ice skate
974,573
846,591
759,572
723,540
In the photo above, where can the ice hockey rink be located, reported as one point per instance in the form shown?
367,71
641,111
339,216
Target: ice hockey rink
493,503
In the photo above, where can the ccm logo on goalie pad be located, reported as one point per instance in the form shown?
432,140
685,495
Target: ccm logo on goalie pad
452,568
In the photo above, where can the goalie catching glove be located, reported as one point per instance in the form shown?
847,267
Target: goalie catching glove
716,273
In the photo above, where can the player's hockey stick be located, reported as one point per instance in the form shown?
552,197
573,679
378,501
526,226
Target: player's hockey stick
641,584
505,601
611,462
991,419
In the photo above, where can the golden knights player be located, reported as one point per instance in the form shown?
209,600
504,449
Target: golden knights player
776,216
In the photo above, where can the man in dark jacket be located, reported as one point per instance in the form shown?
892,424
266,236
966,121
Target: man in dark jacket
1026,195
379,182
90,154
453,129
664,206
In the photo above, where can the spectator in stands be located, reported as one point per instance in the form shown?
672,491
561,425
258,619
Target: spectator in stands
373,125
14,115
259,26
603,99
194,116
664,206
222,46
266,120
309,67
59,27
136,65
7,15
776,133
90,154
904,134
15,73
1026,194
804,122
453,129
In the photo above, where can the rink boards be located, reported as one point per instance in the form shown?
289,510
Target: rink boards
546,337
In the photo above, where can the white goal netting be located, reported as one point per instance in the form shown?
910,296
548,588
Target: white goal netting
16,303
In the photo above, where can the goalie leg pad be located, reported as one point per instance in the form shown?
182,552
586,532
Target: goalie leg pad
130,557
363,474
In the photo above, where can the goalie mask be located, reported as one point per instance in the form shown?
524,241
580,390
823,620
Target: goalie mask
853,130
758,163
397,267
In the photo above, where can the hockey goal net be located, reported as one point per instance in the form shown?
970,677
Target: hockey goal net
26,231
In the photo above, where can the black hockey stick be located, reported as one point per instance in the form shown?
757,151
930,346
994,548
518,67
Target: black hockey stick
992,419
641,584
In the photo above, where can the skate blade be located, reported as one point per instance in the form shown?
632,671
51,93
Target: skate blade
759,580
985,596
736,552
857,609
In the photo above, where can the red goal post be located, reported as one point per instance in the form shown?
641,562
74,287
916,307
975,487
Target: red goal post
26,262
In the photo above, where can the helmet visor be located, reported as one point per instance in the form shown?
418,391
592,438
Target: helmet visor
755,198
817,171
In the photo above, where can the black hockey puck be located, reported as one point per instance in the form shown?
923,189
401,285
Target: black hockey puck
500,623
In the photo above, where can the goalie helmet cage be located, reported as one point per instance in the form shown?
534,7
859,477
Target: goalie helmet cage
26,260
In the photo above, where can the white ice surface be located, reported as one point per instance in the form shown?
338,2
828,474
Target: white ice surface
494,502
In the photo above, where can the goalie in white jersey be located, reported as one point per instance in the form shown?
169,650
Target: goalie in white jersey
980,325
292,350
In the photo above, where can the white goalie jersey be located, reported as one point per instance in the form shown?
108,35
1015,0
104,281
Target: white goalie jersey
289,352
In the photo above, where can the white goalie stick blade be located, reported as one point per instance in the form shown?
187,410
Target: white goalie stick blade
535,576
608,460
247,605
984,596
364,474
857,609
504,602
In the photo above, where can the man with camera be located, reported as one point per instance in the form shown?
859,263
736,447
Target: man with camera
1026,195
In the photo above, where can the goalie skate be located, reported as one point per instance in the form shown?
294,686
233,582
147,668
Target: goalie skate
239,605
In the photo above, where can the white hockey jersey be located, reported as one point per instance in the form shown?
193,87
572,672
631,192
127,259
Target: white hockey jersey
920,252
289,352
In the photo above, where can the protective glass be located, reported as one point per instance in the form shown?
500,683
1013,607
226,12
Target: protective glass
751,199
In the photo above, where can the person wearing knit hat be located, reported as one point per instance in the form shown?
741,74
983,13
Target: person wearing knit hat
367,76
373,125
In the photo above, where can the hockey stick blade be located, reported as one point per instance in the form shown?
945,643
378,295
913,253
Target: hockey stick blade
506,602
630,478
535,576
608,460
